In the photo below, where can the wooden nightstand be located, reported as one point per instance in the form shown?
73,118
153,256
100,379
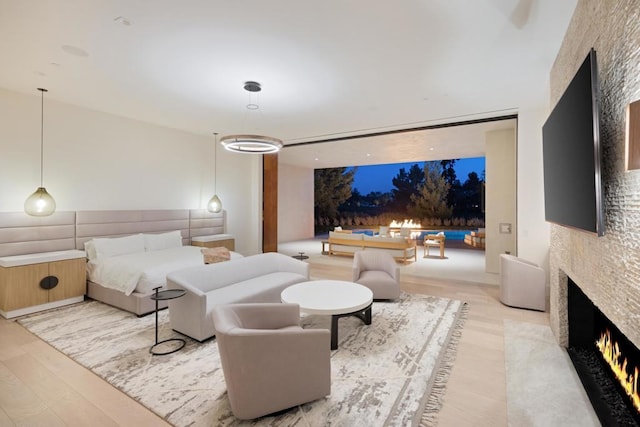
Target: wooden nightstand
215,241
35,282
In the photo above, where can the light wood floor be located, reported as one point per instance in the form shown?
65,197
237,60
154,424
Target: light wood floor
40,386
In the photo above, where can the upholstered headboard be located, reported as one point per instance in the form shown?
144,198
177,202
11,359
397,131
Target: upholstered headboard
23,234
204,223
90,224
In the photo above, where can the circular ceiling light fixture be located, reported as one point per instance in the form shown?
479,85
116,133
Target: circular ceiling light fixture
254,144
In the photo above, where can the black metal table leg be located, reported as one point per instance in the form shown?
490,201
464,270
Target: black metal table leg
364,315
166,295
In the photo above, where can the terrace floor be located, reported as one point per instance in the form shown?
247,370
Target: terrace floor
461,262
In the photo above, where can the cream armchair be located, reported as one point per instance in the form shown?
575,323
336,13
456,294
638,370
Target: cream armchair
522,283
378,271
269,362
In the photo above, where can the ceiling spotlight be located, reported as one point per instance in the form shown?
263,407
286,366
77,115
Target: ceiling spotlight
122,20
75,51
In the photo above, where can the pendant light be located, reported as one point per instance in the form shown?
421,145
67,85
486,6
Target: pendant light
40,203
215,205
257,144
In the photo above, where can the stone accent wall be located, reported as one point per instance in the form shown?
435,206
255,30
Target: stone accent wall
606,268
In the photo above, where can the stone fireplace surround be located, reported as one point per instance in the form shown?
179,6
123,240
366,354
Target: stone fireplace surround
606,269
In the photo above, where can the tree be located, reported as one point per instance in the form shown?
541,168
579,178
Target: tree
448,171
332,188
353,203
470,200
407,185
449,174
378,199
431,201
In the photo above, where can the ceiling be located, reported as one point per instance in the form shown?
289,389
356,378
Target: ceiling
453,142
328,69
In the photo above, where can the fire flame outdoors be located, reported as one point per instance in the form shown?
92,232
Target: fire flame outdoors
407,224
612,354
404,224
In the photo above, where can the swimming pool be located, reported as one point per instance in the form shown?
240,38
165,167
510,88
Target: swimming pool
449,234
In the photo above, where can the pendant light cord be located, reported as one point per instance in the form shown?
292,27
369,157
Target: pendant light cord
215,164
42,91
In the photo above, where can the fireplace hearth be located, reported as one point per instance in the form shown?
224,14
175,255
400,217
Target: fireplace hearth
605,360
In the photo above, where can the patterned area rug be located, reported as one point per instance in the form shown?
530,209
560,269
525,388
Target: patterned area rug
391,373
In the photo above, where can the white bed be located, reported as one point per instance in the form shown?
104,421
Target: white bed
137,249
143,271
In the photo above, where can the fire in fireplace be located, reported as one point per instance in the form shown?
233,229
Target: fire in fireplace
605,360
616,360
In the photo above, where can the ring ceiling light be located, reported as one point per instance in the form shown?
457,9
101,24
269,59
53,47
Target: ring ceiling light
251,144
256,144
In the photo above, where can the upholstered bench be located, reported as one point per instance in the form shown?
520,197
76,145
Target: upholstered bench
257,278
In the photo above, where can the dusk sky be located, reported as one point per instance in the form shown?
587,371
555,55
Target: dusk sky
378,177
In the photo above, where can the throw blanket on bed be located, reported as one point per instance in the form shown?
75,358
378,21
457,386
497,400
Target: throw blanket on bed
213,255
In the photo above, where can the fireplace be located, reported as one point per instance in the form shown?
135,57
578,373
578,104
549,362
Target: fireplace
605,360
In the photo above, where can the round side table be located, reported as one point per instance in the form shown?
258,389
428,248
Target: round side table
163,296
301,256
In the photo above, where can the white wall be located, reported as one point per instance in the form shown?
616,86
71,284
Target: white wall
533,232
94,160
295,203
500,216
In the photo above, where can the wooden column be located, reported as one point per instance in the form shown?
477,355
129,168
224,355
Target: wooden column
270,203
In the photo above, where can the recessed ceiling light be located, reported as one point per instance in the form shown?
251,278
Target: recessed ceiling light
75,51
122,20
431,148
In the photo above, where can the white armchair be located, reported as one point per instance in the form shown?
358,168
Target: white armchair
522,283
269,362
378,271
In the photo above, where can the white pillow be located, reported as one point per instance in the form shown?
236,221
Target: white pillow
156,242
90,249
108,247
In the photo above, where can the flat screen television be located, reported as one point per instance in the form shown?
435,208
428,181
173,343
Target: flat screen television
571,155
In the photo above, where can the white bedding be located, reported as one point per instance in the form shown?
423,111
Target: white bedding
143,271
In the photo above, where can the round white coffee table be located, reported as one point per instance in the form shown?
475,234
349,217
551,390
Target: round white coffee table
331,297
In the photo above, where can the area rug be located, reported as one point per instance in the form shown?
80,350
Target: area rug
390,373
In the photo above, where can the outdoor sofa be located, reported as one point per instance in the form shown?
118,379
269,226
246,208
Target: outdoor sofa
401,248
